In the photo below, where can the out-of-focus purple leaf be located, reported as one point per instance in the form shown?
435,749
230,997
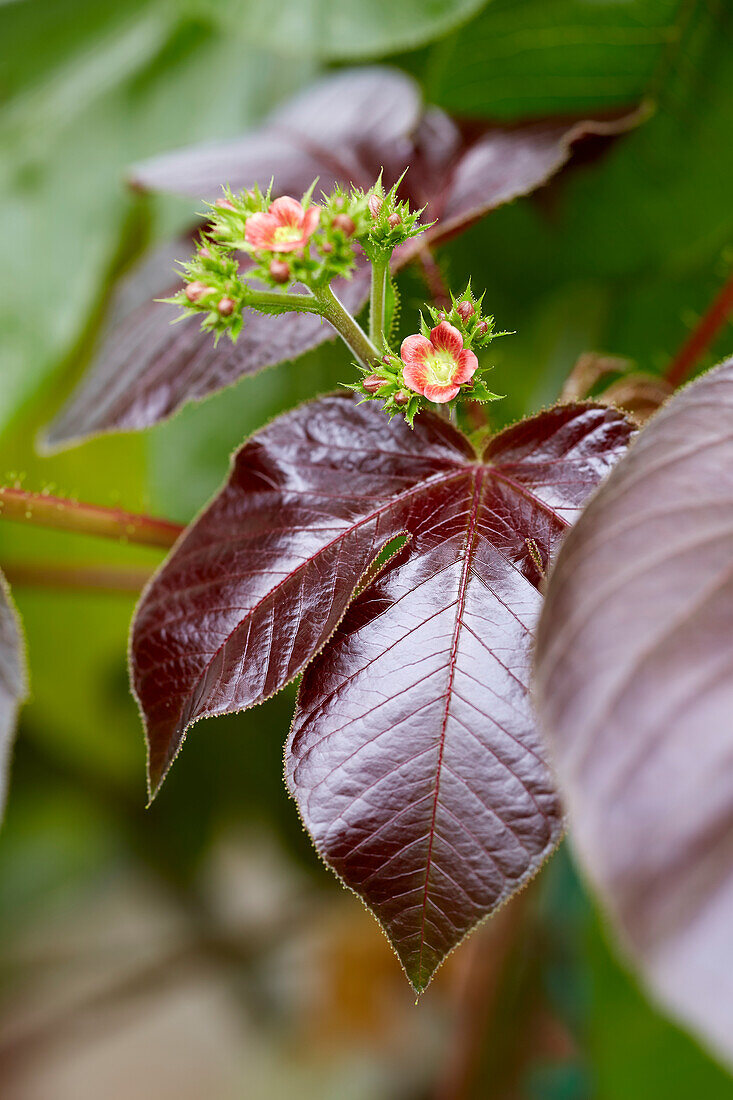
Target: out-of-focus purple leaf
414,757
336,130
13,680
504,164
150,368
346,128
634,686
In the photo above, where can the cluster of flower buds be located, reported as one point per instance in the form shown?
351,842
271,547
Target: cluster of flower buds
252,240
254,247
438,364
213,288
391,223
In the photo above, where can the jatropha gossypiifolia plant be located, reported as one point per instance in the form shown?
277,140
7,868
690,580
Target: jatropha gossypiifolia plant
396,561
365,542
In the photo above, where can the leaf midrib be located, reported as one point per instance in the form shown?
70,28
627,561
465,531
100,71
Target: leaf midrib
370,517
470,543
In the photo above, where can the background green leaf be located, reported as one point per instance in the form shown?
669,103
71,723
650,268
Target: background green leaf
542,57
341,29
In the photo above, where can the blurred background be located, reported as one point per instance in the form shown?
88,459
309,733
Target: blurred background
199,949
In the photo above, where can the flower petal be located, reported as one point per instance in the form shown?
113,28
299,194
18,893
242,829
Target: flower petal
440,393
467,365
447,338
414,375
260,229
310,221
287,211
289,246
415,349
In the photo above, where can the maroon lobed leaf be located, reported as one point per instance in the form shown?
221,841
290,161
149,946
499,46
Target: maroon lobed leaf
13,685
337,129
345,128
149,368
502,164
413,757
634,686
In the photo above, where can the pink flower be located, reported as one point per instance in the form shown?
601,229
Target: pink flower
285,227
437,367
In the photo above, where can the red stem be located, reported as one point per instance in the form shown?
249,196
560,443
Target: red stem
434,278
90,519
702,336
486,960
81,577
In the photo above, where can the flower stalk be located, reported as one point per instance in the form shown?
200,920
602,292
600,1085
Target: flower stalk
377,300
348,329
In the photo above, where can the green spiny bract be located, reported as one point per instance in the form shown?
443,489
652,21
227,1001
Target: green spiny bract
391,222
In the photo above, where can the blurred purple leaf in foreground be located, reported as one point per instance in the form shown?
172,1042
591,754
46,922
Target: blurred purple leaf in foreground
635,689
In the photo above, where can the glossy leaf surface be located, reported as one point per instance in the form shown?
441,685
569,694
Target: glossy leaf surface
635,689
414,757
345,128
13,685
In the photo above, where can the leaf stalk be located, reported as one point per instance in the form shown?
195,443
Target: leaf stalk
44,510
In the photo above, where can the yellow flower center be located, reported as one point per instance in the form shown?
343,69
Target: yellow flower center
284,234
440,368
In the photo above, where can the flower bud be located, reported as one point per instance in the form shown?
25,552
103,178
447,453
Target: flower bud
225,204
373,382
226,307
394,220
280,271
465,310
326,247
375,205
205,253
401,398
344,223
386,358
482,328
195,291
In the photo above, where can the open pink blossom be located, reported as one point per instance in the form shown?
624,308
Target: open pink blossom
437,367
285,227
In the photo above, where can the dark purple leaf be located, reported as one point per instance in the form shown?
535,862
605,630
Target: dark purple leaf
504,164
149,368
635,688
337,129
413,758
346,128
13,686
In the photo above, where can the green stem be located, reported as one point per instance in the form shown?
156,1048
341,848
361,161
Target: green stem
280,301
350,332
380,271
90,519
